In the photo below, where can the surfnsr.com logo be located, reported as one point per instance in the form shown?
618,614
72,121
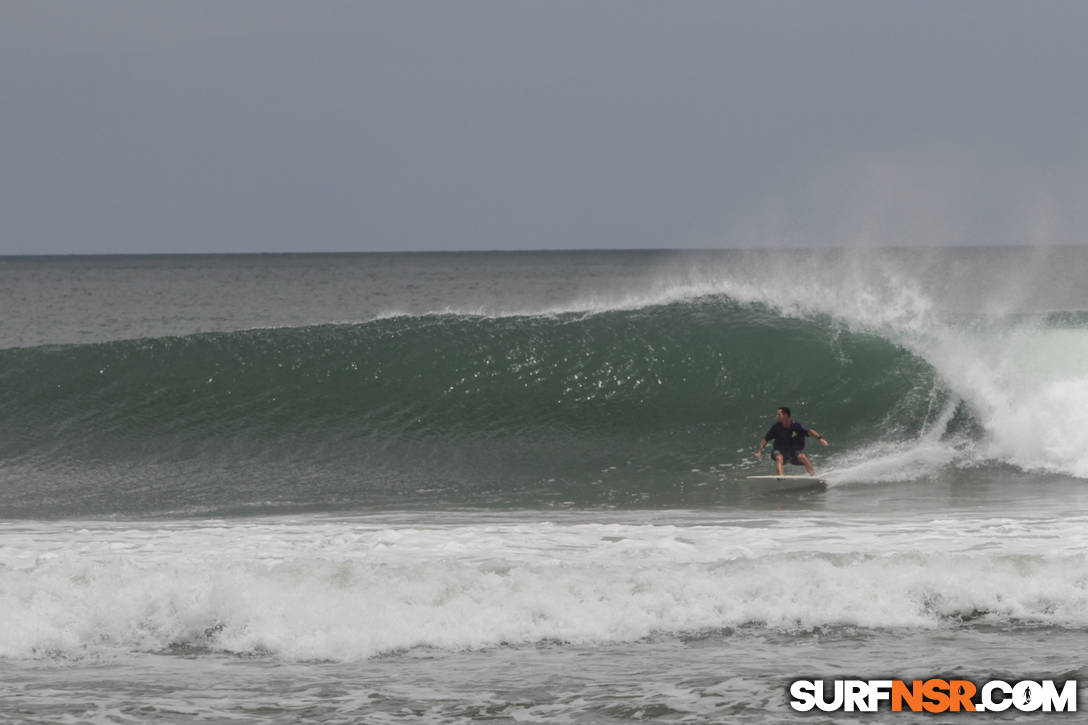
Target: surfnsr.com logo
933,695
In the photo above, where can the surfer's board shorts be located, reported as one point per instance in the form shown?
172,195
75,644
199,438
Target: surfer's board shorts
789,457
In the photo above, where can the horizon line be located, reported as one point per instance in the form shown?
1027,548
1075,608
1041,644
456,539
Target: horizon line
549,250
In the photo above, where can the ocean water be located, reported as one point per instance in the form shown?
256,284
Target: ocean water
512,487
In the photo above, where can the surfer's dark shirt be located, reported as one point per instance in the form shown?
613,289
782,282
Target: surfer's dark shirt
787,439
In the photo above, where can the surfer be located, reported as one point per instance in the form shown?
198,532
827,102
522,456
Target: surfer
789,442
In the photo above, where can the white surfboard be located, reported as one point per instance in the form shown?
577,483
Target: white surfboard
798,480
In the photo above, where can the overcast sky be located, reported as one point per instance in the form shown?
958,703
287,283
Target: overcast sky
268,126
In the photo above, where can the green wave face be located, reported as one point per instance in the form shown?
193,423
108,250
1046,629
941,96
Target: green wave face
623,407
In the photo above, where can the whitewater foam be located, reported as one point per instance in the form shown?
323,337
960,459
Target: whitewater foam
1020,374
354,588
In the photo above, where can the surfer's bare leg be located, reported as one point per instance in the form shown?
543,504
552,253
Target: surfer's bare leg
778,463
806,463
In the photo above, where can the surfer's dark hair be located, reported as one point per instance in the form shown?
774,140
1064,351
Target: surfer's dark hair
785,410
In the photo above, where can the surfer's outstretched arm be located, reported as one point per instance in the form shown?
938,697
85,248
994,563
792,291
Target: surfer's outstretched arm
817,436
